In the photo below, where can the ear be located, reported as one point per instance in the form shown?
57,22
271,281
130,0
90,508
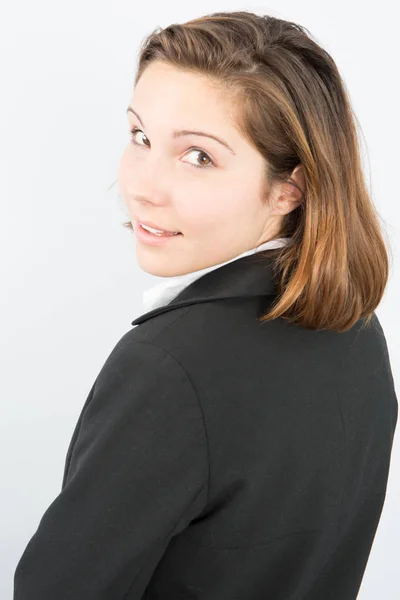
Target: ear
291,193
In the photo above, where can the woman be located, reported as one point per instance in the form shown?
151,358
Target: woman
236,443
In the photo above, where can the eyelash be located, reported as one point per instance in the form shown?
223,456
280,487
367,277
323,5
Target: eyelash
136,129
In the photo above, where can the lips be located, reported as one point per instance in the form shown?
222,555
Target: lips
158,233
154,226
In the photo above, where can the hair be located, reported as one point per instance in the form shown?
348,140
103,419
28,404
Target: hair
290,102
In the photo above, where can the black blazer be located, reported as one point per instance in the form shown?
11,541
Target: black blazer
218,458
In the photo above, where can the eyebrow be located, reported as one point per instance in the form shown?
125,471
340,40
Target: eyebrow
183,132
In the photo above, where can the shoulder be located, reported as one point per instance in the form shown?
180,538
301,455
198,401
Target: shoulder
142,398
137,362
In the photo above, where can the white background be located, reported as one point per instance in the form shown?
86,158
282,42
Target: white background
70,283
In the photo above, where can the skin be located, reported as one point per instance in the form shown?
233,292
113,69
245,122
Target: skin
219,208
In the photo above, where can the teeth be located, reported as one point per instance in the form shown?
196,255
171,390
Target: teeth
155,231
151,229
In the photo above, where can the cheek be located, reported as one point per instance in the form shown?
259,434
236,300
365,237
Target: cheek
202,212
215,211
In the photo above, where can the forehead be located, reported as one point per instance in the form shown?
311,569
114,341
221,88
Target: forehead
171,92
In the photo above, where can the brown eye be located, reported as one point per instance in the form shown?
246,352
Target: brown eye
132,132
201,153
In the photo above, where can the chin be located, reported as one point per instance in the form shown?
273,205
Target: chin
155,265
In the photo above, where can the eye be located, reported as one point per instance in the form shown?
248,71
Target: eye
201,152
132,132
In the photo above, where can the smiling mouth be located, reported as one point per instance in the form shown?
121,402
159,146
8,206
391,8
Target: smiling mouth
157,232
153,239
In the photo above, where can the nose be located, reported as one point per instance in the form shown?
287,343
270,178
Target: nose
151,180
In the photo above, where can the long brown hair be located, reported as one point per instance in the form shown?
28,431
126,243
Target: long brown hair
291,103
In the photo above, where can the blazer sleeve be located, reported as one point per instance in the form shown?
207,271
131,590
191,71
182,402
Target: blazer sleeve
136,474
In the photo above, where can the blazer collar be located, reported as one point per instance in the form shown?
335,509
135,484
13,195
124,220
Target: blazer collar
251,275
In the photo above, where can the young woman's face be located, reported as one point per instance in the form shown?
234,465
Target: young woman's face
190,183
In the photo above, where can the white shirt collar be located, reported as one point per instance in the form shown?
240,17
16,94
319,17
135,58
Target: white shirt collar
162,293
